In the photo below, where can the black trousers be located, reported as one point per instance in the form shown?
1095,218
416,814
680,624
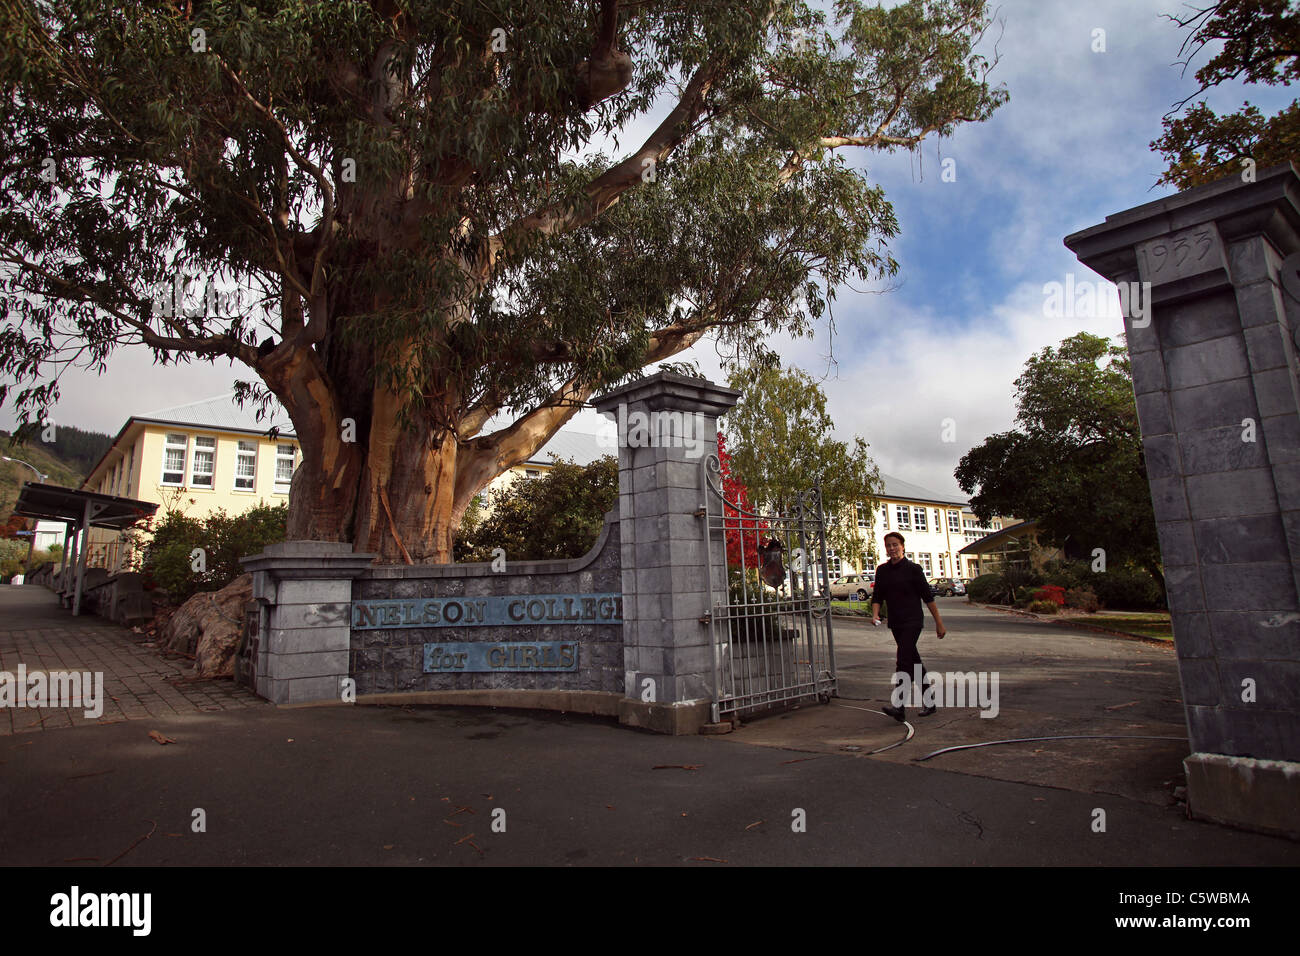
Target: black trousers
906,636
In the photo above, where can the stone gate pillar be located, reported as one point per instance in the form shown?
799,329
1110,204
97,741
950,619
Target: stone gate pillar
1214,355
667,426
304,593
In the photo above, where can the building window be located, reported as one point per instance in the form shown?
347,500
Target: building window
911,556
246,466
918,514
833,564
174,459
205,456
532,473
866,562
926,563
884,517
863,521
904,516
942,567
283,468
954,522
938,525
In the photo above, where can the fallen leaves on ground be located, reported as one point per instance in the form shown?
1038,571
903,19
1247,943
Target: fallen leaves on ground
160,738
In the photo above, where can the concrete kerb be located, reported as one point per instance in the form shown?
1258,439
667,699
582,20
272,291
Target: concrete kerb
593,702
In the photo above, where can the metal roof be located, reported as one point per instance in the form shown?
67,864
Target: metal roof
222,413
897,488
580,447
56,503
978,546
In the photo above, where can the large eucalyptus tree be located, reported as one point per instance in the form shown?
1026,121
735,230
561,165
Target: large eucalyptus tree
417,199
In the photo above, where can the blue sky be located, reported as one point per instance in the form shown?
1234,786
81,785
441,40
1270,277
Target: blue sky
966,309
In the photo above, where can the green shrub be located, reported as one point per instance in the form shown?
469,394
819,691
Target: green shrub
1082,599
168,558
169,567
1043,607
985,588
231,537
13,554
1128,589
1068,574
557,515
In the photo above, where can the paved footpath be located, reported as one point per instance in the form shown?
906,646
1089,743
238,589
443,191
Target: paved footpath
139,683
246,783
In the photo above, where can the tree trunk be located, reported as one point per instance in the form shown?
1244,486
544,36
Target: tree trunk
399,494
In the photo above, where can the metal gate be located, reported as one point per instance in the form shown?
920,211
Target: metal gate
770,620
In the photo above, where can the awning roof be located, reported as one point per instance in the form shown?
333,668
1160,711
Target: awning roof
57,503
979,546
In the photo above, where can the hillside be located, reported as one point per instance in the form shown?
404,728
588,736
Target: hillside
65,461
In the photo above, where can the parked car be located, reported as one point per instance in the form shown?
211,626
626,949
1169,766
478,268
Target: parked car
860,585
946,587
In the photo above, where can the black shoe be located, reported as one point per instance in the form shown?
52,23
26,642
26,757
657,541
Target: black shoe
898,713
927,711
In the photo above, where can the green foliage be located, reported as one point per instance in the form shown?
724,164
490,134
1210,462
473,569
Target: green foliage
1043,607
779,438
231,537
1075,461
13,554
985,589
1123,588
168,560
557,515
403,188
1014,586
1257,41
1129,589
1068,574
1082,599
17,563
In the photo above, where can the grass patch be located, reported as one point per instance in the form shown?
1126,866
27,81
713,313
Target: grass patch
852,607
1151,624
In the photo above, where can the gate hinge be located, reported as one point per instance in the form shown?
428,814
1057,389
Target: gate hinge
707,618
699,512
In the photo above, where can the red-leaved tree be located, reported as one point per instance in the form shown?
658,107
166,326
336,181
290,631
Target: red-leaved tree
742,532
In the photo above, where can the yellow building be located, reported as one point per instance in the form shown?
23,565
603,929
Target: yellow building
194,458
935,528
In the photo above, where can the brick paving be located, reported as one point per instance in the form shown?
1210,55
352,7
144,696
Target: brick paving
139,682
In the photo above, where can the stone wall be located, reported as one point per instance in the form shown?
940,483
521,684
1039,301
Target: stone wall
332,626
385,660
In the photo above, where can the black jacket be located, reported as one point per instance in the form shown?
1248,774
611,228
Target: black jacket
903,588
